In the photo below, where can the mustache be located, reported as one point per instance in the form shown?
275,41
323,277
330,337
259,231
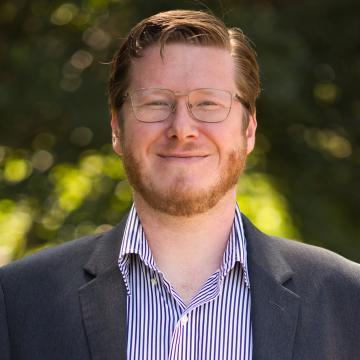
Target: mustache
187,147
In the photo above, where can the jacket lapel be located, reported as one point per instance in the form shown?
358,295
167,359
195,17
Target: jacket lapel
103,300
274,307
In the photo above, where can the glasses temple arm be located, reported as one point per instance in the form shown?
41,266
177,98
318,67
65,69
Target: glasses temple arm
242,101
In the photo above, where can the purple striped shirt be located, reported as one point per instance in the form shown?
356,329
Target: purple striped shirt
214,325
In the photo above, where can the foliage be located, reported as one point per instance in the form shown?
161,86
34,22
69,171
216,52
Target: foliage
59,178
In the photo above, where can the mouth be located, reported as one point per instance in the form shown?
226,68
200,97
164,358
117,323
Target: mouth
183,157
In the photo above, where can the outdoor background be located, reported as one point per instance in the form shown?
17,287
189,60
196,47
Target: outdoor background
59,178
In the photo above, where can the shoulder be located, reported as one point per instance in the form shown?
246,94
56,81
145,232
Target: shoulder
66,258
64,261
328,288
55,254
307,263
317,263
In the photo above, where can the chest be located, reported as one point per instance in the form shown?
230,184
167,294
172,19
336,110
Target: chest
214,324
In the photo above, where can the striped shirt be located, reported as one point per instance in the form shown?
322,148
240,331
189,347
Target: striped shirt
214,325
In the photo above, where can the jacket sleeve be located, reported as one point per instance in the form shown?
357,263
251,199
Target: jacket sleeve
4,333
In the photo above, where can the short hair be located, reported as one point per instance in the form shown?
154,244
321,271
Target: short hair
189,27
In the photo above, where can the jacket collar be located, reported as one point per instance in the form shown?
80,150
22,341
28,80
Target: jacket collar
103,299
274,307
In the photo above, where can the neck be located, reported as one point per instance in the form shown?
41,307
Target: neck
188,250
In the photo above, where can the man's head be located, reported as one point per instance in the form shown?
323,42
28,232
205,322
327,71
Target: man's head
187,27
183,148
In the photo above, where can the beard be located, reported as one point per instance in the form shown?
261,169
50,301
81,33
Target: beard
177,199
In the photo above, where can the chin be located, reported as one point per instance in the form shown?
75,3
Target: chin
181,199
181,193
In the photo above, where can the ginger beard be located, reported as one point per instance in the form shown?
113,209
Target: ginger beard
178,200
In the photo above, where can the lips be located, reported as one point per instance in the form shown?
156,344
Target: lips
182,156
187,152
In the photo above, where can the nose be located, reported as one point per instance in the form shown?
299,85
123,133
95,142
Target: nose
182,126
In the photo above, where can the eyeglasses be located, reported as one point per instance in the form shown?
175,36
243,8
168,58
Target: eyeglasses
207,105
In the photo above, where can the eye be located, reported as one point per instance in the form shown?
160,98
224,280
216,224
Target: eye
153,104
206,105
157,103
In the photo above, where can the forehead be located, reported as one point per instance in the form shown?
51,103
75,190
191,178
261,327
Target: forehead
183,67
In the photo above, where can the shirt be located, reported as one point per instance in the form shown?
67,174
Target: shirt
216,323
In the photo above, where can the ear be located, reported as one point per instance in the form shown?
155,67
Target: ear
116,133
250,133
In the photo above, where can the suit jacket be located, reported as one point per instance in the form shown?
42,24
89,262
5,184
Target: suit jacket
69,302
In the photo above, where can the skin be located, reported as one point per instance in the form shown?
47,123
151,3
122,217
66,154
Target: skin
183,171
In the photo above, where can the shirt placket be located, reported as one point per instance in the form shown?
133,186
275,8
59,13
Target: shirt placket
180,339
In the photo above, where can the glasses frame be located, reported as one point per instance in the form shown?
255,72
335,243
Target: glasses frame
236,97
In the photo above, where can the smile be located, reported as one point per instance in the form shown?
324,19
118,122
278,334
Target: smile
183,158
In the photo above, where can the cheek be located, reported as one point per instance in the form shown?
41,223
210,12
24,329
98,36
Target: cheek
141,137
227,138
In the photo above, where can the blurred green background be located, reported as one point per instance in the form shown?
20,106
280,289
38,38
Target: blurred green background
59,178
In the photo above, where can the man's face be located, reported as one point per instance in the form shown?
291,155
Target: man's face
182,166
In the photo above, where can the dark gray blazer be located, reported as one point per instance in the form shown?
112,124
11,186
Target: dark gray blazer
69,302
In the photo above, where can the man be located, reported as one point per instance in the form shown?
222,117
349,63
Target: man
185,275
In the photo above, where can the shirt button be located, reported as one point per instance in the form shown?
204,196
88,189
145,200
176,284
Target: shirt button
153,281
184,320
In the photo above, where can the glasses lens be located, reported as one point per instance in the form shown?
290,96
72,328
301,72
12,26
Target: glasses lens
152,105
210,105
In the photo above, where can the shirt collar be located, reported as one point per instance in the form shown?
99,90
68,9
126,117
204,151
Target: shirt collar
134,242
235,251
